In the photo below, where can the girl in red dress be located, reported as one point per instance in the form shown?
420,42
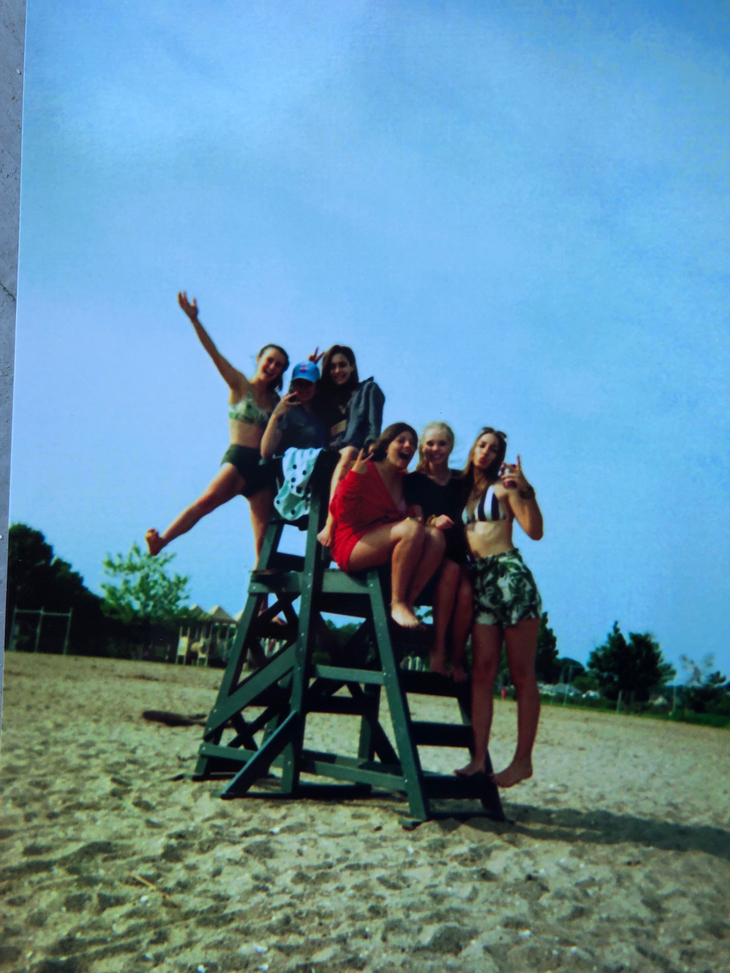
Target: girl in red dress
370,522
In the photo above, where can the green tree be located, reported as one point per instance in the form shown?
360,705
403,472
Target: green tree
39,579
145,594
547,667
705,691
570,669
632,668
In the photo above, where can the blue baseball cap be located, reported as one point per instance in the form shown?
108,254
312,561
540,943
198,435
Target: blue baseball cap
306,370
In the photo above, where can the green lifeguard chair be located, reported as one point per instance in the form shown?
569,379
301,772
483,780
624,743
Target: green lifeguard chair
288,687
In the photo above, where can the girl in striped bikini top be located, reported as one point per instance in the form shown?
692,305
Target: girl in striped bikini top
487,508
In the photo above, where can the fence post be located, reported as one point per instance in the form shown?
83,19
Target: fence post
618,701
38,630
68,629
11,641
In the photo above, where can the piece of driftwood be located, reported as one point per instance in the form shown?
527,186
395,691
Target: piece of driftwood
173,719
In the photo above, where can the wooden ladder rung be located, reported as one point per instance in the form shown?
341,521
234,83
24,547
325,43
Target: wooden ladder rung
430,734
341,674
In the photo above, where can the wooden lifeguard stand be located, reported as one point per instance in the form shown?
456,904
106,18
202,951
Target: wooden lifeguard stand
264,713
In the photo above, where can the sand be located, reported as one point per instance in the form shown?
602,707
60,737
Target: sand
617,859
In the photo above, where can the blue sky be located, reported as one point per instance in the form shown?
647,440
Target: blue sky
517,214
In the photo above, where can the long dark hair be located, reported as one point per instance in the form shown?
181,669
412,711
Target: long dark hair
491,474
325,386
380,447
278,382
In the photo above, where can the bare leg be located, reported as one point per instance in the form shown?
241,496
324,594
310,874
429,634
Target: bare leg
463,615
348,455
405,539
434,543
226,485
261,504
487,645
521,642
443,606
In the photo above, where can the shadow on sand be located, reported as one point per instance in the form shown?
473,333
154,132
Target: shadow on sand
606,828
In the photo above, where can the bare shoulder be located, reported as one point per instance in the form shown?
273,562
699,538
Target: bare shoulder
240,389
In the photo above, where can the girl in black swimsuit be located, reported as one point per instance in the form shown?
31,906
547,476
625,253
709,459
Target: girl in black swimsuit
437,495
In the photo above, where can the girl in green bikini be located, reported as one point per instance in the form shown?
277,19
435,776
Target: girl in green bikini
251,403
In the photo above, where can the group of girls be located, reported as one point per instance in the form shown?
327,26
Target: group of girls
450,529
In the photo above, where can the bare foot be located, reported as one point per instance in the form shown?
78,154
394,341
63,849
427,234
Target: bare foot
154,542
403,615
325,535
458,672
517,771
471,768
437,662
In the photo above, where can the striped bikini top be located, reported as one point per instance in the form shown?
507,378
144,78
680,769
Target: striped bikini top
249,413
487,509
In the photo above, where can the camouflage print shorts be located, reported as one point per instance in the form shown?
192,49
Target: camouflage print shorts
505,592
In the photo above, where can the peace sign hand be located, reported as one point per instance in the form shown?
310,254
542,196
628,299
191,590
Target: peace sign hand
511,476
360,466
285,404
315,357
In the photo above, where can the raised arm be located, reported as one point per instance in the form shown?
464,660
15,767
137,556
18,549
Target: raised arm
235,380
521,498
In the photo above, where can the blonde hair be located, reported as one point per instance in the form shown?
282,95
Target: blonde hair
442,427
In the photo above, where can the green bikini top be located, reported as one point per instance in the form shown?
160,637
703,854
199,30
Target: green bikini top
248,412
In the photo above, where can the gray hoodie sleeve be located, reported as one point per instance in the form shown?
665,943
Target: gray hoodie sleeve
365,417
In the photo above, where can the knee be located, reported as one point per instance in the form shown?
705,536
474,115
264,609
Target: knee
484,674
436,539
411,530
523,679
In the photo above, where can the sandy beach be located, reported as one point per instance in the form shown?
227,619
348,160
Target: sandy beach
618,857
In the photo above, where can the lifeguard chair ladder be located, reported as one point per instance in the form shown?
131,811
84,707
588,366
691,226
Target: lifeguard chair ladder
289,685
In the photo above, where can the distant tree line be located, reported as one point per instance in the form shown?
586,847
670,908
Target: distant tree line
143,606
137,617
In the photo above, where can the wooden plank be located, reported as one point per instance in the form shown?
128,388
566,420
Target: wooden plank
310,582
289,584
251,688
432,684
341,705
431,734
372,676
259,763
353,769
339,583
398,704
237,754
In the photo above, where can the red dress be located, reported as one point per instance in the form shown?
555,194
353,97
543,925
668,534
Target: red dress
361,501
